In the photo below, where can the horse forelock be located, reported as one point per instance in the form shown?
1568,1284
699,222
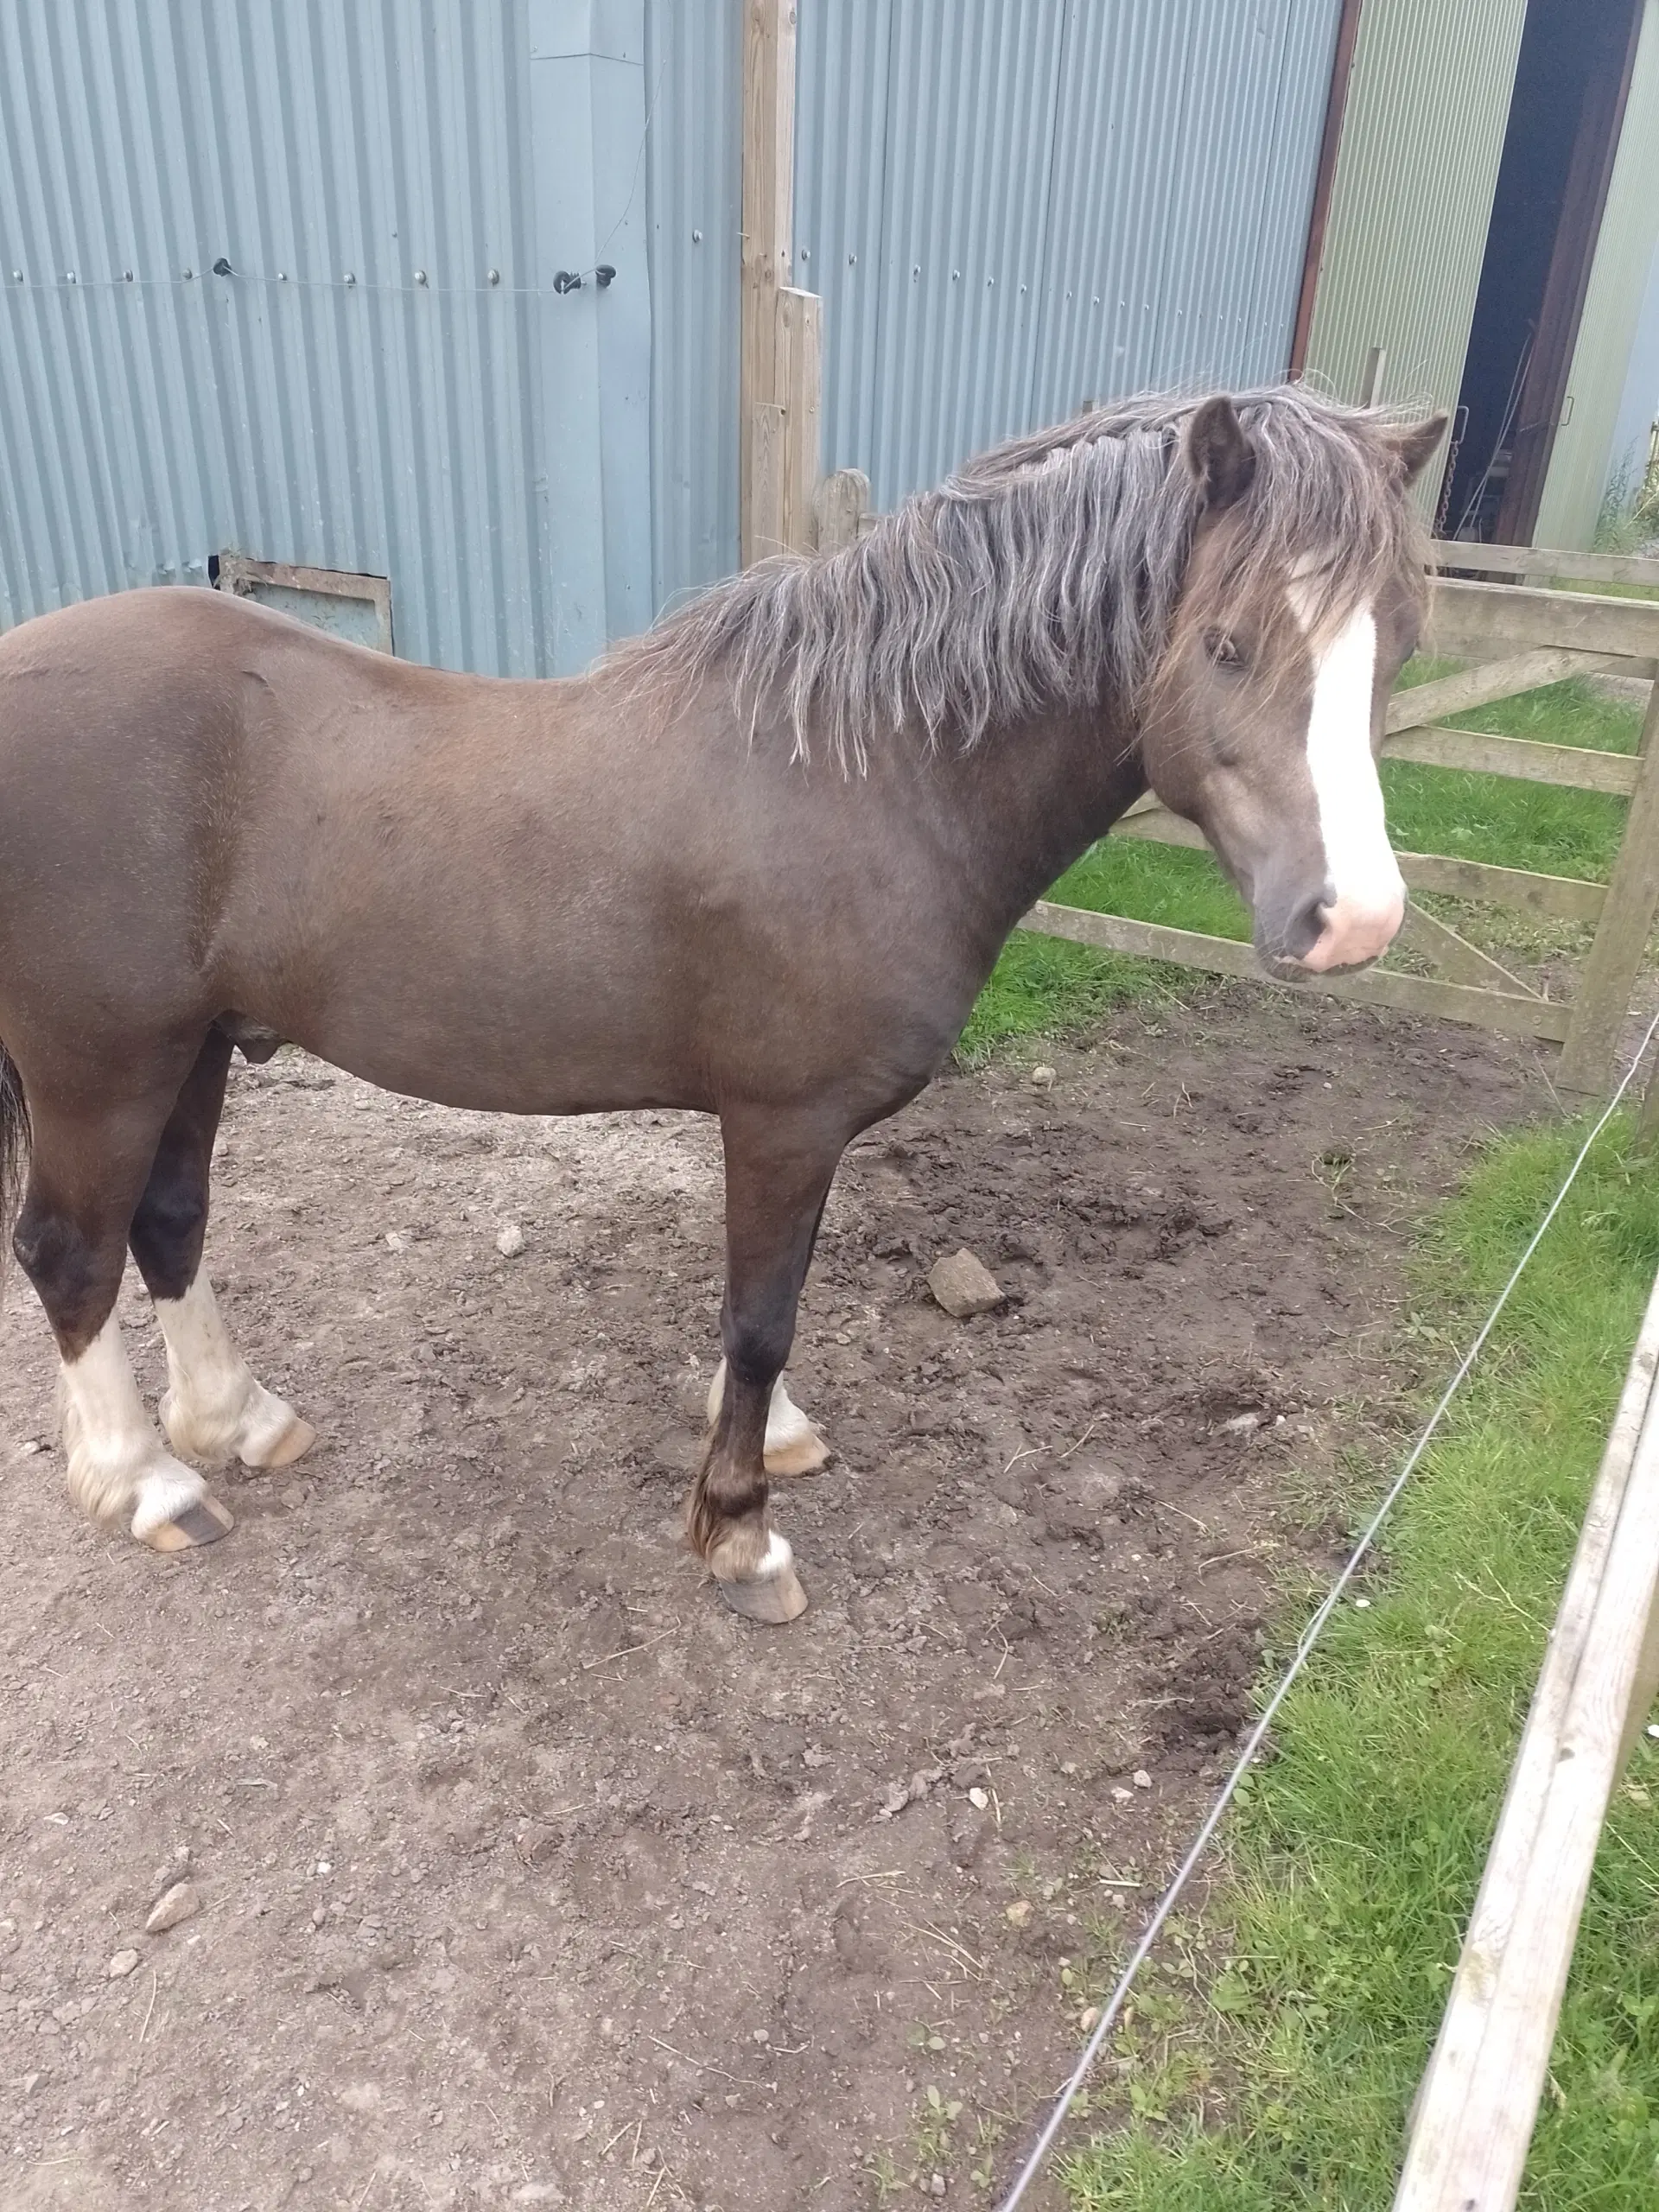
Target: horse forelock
1045,574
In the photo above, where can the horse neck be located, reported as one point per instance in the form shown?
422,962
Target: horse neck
1028,801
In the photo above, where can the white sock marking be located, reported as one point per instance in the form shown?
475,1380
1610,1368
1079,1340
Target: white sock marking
775,1558
786,1425
213,1405
115,1458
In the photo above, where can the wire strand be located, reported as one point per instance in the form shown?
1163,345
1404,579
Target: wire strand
1306,1644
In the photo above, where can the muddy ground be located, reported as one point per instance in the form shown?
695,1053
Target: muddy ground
529,1875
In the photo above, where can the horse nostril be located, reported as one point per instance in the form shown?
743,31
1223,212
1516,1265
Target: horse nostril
1305,926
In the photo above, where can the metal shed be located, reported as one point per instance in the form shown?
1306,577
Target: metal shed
1422,140
293,282
280,280
1605,357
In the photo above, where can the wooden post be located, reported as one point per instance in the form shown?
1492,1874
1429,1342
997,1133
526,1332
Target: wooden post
800,342
1602,1002
768,224
841,502
1479,2098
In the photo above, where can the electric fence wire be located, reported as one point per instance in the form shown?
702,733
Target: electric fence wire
1310,1636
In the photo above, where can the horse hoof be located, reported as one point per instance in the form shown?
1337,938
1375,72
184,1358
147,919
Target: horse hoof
292,1443
772,1599
801,1455
202,1522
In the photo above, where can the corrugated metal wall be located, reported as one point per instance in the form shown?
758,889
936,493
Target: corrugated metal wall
694,82
1012,209
1602,354
1422,138
323,405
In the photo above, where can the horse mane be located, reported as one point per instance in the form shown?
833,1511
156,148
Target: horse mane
1044,575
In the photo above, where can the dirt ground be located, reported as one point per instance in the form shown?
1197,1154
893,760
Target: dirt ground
528,1874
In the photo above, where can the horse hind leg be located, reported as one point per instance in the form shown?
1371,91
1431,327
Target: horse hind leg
793,1447
85,1170
215,1408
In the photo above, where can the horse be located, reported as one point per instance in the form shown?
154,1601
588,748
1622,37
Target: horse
757,863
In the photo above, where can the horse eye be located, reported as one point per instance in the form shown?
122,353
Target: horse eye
1223,650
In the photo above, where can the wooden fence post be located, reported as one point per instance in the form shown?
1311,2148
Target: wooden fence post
1603,1002
800,342
768,224
1478,2102
841,502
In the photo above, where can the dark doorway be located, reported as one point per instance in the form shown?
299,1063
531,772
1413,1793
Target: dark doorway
1571,80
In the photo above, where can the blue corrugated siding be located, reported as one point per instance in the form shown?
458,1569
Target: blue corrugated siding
1012,209
694,182
406,429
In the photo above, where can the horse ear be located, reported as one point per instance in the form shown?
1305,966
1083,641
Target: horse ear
1219,455
1415,444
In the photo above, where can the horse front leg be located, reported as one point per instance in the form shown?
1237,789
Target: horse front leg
779,1169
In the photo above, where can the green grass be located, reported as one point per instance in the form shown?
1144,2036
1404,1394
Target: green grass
1272,2069
1043,987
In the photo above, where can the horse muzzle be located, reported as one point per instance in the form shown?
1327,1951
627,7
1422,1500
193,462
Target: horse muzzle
1326,936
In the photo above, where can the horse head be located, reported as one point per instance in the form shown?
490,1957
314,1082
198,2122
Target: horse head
1302,599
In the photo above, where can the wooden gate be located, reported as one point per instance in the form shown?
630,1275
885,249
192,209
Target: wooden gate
1517,637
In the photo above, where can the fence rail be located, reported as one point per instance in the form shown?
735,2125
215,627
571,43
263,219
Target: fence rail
1520,637
1479,2102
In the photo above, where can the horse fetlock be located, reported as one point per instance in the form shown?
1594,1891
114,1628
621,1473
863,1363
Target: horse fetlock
793,1445
754,1568
214,1409
254,1425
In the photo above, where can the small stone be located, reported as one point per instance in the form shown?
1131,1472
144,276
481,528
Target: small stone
1141,1778
1018,1914
122,1965
319,1914
978,1800
963,1286
395,1242
1043,1078
1241,1424
1089,2018
179,1902
1120,1795
510,1239
30,1445
936,2186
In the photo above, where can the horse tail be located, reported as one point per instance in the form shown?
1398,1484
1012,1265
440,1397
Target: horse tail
14,1151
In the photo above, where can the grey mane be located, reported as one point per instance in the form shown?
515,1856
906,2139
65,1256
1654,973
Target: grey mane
1045,574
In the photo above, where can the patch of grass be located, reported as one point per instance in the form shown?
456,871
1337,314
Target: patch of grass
1043,986
1356,1854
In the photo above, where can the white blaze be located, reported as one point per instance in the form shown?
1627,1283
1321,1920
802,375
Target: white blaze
1368,896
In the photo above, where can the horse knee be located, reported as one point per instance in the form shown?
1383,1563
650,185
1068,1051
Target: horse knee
167,1233
176,1214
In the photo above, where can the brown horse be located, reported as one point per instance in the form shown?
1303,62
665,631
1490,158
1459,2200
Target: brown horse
757,863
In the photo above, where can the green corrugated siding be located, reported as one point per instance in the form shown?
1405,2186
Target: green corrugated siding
1612,302
1422,137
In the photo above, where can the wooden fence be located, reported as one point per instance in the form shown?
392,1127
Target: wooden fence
1517,637
1476,2110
